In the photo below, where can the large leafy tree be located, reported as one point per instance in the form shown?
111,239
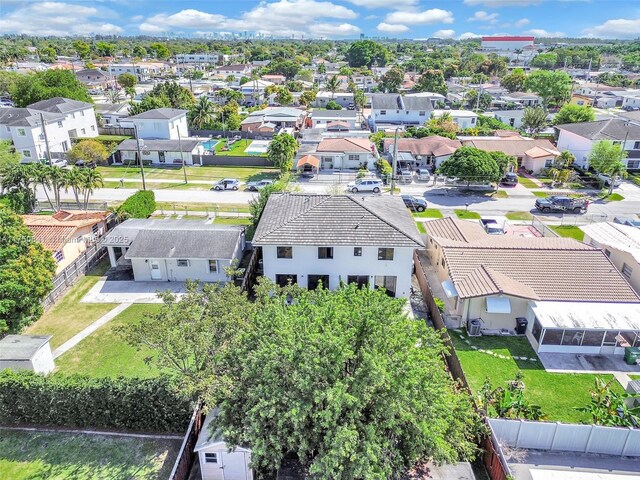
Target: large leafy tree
8,155
344,381
571,113
432,81
38,86
90,151
366,53
607,158
553,87
26,274
514,82
283,66
281,151
470,164
392,80
127,80
165,95
534,119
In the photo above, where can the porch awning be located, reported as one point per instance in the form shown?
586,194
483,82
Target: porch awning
498,305
308,160
449,289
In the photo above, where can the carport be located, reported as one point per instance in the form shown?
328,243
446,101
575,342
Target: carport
309,164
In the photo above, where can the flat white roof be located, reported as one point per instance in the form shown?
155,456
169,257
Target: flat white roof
455,113
621,237
587,315
545,474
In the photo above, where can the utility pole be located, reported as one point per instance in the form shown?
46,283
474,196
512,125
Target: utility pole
184,167
138,140
395,161
46,139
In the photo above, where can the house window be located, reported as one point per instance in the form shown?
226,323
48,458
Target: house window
84,131
60,124
548,162
325,252
59,256
357,251
636,146
354,158
388,283
607,252
213,266
182,263
512,122
94,229
22,132
473,121
383,112
536,331
422,113
284,279
211,458
627,271
361,280
93,128
633,164
385,254
315,280
284,252
26,153
65,146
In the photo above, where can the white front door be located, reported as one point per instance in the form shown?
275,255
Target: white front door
154,265
233,465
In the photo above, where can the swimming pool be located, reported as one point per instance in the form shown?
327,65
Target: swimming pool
210,144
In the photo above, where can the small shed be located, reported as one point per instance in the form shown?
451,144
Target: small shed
216,461
26,352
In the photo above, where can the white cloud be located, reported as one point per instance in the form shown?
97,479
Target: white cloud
382,3
392,28
502,3
522,22
427,17
481,16
539,32
615,28
467,35
58,19
445,33
335,30
189,18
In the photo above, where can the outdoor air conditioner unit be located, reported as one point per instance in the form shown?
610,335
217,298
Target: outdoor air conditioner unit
473,328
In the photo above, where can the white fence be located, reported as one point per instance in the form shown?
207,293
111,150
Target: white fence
567,437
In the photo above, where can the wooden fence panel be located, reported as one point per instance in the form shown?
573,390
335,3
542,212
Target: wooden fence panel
184,462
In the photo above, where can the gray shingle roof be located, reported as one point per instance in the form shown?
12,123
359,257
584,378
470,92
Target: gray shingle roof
386,101
26,117
60,105
21,347
417,103
612,129
188,145
160,113
326,220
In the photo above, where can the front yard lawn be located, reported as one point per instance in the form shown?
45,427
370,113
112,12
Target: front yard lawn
420,226
106,354
209,173
527,182
556,393
519,216
68,316
500,194
428,213
57,455
614,197
467,215
570,231
168,207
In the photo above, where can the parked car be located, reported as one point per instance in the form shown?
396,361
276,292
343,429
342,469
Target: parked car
365,185
491,226
509,180
258,185
416,204
85,164
405,176
562,204
423,175
606,179
351,106
59,162
227,184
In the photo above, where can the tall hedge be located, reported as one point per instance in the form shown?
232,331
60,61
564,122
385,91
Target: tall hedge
86,402
139,205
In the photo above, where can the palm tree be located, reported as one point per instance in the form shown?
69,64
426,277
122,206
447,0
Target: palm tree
333,84
534,119
202,113
56,180
115,96
616,171
40,177
92,178
74,179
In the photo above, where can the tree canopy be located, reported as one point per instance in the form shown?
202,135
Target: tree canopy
553,87
281,151
392,80
470,164
90,151
38,86
534,119
366,53
571,113
432,81
164,95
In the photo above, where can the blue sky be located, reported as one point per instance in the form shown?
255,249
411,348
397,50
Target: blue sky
326,18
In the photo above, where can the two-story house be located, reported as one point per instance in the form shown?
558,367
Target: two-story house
344,99
346,153
93,78
79,117
334,239
161,123
463,118
579,139
390,109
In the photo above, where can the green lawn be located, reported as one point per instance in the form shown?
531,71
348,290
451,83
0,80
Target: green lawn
68,316
202,207
237,149
232,221
519,216
106,354
428,213
112,138
556,393
540,194
420,226
570,231
614,197
179,185
467,215
500,194
209,173
56,455
527,182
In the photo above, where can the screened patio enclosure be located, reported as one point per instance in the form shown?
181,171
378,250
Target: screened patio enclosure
589,328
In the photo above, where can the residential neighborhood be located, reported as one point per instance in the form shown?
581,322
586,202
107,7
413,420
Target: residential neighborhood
326,240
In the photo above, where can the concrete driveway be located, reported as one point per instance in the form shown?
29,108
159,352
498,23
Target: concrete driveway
128,291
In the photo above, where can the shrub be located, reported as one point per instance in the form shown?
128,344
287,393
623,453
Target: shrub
383,167
81,402
332,105
139,205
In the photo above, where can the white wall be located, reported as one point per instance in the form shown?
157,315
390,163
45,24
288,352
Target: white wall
305,262
34,142
619,258
42,362
82,123
319,122
579,146
506,118
169,157
415,117
198,269
161,128
342,161
343,99
477,309
230,465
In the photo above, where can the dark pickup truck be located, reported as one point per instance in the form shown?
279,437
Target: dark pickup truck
562,204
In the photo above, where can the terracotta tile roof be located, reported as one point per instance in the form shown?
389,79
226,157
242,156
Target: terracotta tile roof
52,237
514,146
344,145
433,145
68,215
538,152
559,269
53,231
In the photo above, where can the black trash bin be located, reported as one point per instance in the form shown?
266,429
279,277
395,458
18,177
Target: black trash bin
521,325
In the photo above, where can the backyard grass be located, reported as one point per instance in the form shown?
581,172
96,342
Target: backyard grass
570,231
106,354
428,213
112,138
467,215
527,182
232,221
202,207
56,455
614,197
556,393
500,194
237,149
420,226
209,173
68,316
519,216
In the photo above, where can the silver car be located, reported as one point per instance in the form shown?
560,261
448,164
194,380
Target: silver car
365,185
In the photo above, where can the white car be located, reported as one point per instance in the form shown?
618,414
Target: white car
365,185
607,180
59,162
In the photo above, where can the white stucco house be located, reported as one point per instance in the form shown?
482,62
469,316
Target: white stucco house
79,117
321,118
570,296
513,118
331,239
26,352
161,152
346,153
175,250
579,139
216,461
24,127
525,99
389,109
344,99
115,114
464,118
161,123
